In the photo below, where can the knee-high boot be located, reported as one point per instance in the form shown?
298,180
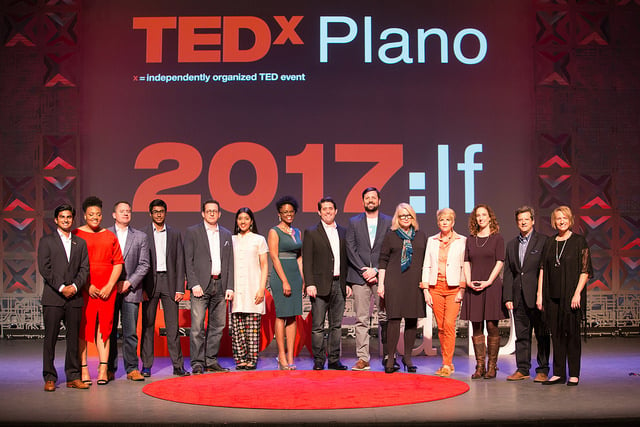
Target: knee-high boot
480,349
493,346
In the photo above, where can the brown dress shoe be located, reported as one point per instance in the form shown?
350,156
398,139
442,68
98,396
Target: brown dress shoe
135,375
361,365
540,377
49,386
517,376
77,383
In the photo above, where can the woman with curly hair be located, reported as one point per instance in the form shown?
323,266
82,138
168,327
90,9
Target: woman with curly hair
483,259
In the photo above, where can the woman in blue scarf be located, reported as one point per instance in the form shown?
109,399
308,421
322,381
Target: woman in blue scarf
401,258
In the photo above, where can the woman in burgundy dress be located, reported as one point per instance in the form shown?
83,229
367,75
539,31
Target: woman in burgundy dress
483,259
105,266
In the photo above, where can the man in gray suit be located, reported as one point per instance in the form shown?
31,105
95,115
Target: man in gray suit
164,281
364,239
519,288
135,251
208,251
63,262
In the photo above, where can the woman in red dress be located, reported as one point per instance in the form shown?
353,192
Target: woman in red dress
105,266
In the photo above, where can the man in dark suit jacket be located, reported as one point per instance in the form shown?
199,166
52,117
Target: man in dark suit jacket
63,262
135,251
521,268
364,239
208,252
324,264
164,281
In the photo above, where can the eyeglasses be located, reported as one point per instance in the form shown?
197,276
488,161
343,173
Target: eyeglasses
405,216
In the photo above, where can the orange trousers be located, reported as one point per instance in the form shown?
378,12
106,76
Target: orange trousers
445,311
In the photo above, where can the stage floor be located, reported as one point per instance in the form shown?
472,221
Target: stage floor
607,394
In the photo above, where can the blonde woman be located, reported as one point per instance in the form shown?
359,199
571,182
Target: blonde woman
400,271
443,278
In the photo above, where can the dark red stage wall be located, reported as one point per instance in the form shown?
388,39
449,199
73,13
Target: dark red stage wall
431,101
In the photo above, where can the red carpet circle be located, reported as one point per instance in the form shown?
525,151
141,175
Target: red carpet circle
305,389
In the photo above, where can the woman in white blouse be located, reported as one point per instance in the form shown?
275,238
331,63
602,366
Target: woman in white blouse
250,254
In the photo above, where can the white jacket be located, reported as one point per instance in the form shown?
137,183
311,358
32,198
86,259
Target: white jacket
455,261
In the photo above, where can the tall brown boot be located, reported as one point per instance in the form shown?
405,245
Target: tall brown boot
481,351
493,346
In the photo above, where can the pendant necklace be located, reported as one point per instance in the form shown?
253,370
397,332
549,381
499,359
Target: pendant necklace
485,242
561,251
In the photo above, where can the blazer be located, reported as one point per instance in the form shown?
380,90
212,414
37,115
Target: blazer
197,257
317,259
56,270
360,253
174,260
136,262
522,280
455,261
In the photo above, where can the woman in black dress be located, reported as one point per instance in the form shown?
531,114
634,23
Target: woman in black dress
400,264
562,294
483,259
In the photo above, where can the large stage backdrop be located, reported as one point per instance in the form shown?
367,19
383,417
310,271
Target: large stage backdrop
436,103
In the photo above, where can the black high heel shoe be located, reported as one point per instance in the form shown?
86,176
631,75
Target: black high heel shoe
391,369
559,380
410,368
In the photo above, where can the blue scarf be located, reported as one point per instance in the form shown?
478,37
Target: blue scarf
407,249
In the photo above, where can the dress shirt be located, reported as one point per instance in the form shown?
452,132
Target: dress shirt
122,236
160,241
334,241
66,242
213,235
522,247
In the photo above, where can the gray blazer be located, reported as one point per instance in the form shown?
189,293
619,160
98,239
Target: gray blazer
175,262
136,262
197,257
359,251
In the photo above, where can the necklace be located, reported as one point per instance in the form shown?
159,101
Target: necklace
482,245
561,251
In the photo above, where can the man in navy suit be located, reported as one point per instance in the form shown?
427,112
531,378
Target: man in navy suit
520,284
135,251
324,265
364,239
164,281
208,252
63,262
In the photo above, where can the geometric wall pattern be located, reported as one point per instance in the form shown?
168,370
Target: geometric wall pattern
586,60
38,142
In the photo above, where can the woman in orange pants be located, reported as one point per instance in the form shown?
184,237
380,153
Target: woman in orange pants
443,275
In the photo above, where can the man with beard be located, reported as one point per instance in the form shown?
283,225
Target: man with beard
364,239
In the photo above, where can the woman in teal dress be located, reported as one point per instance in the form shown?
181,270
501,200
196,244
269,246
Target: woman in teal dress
285,279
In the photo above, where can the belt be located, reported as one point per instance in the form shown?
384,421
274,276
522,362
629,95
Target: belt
335,278
161,272
216,276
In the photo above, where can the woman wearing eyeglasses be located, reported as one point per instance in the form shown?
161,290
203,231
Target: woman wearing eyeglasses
399,276
482,302
285,280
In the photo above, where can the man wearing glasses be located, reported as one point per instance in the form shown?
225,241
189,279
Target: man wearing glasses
208,252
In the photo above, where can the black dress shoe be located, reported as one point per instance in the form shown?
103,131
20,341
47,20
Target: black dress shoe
215,367
197,370
558,380
573,383
338,366
318,365
179,372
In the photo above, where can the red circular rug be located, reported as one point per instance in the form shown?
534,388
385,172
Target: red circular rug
314,389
